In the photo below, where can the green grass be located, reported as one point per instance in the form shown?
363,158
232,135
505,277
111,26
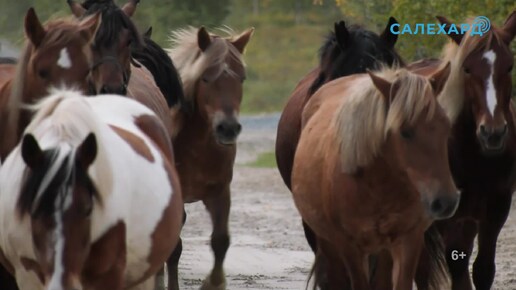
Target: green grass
264,160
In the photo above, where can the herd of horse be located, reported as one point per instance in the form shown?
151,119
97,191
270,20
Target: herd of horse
393,167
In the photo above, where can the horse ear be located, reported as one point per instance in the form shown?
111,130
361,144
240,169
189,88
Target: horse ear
203,38
88,27
439,78
31,153
87,151
76,8
456,37
33,28
130,7
148,33
341,35
241,41
387,36
381,84
510,27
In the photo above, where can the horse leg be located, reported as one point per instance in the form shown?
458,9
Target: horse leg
346,266
145,285
381,275
329,270
405,256
490,226
173,262
310,237
218,207
459,237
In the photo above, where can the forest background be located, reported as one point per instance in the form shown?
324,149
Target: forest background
288,32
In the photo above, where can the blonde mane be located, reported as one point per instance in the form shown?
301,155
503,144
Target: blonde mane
191,62
452,97
64,119
363,120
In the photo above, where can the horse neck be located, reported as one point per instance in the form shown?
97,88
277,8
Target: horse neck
196,125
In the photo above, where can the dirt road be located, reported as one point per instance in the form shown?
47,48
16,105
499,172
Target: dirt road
268,249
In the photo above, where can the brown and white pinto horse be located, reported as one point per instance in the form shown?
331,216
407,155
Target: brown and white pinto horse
90,199
212,71
482,148
55,54
371,172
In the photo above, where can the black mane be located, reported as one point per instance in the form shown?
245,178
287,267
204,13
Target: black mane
365,50
144,49
114,20
156,60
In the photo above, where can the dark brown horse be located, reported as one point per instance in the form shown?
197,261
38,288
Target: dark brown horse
213,72
55,54
345,52
482,149
118,44
371,172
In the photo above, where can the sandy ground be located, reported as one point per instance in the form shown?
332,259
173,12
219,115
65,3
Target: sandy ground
268,249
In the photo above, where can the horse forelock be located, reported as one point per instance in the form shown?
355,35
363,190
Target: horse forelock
64,119
364,119
452,97
114,20
191,62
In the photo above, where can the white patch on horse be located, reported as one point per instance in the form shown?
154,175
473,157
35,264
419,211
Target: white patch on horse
490,56
57,277
64,60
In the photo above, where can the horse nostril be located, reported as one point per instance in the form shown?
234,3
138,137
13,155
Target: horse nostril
436,206
238,128
104,90
483,130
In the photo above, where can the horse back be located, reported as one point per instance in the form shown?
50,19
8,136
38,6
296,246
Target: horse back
143,89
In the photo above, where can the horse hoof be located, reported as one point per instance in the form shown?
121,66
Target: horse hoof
206,285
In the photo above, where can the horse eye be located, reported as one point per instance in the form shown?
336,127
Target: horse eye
467,70
407,134
205,80
510,68
43,73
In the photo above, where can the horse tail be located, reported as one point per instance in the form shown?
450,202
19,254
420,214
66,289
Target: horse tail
436,272
317,273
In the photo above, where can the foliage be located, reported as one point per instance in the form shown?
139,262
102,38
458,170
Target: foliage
265,160
288,32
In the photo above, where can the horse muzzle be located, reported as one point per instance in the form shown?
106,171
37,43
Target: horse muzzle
227,131
492,139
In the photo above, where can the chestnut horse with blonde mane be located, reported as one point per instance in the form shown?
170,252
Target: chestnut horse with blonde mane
212,71
90,199
371,171
482,148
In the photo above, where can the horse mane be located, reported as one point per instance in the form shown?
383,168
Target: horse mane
191,62
452,96
157,61
364,119
329,54
64,119
113,21
61,30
